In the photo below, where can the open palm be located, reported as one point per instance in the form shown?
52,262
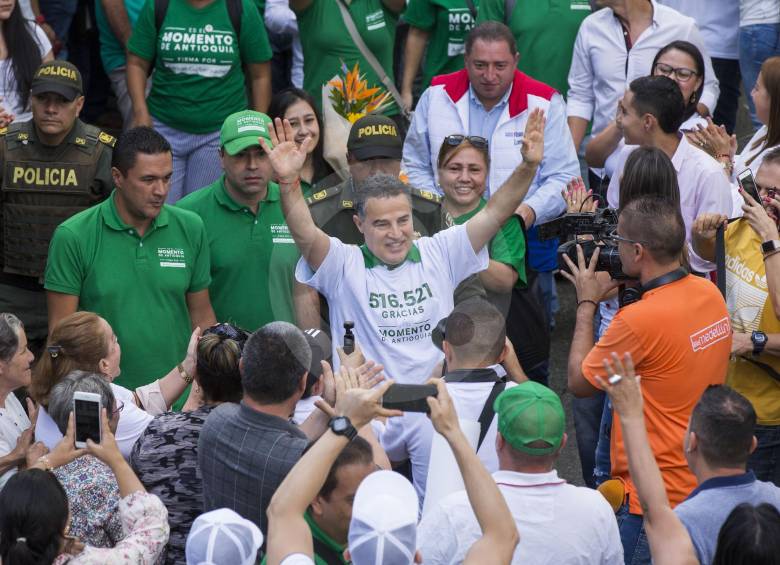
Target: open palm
533,138
287,158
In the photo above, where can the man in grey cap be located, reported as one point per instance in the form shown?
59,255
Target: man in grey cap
374,147
52,167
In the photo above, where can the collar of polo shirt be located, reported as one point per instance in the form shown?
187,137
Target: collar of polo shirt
372,260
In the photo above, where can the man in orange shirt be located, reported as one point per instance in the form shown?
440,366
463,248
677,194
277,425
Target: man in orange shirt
678,334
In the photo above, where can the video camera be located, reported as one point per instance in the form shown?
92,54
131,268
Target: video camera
601,225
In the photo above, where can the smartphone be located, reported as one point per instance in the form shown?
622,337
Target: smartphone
349,338
86,409
746,182
409,398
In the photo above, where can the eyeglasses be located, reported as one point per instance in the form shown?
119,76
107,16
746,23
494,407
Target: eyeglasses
771,191
615,237
682,74
226,330
119,407
475,140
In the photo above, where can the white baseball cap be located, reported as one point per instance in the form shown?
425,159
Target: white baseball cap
222,537
383,530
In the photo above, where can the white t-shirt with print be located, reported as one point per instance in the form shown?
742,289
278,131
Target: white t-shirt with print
11,101
13,421
395,310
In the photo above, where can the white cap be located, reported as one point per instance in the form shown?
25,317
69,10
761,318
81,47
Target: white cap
222,537
383,530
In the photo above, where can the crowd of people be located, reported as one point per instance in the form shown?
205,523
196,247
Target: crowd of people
317,325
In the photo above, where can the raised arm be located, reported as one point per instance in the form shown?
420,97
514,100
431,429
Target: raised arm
287,160
703,234
669,540
499,533
486,223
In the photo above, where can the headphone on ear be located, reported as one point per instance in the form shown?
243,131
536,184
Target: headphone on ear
634,294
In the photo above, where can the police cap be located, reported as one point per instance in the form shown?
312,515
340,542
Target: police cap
375,136
60,77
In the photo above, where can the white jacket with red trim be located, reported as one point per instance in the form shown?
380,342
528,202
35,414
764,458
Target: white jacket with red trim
443,110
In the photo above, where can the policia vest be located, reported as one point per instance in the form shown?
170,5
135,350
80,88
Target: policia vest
43,186
332,210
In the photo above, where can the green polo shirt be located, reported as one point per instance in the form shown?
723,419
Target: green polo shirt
545,34
507,246
139,284
253,256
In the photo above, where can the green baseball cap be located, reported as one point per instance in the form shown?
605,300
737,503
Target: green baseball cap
530,412
60,77
241,130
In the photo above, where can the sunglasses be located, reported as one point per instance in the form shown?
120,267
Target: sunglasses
681,73
475,140
228,331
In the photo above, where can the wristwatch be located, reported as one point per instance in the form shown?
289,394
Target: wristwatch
770,246
759,340
341,426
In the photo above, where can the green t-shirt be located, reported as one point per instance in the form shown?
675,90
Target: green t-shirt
253,257
448,22
545,34
508,245
326,43
198,74
138,284
112,53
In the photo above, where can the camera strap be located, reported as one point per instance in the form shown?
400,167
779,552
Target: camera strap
481,376
631,295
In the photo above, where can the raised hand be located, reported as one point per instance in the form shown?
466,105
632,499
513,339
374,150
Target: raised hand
443,414
107,450
533,138
286,157
360,405
759,218
705,225
578,198
622,386
5,117
590,285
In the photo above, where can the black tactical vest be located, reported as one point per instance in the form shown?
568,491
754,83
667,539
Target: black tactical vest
38,194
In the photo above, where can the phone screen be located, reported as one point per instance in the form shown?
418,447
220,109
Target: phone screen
748,184
87,420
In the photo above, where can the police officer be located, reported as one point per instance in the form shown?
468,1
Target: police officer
374,146
52,167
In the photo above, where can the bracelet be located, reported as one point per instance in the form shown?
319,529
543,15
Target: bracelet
184,374
291,183
40,19
773,252
581,302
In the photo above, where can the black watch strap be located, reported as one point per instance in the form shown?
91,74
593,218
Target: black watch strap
759,340
770,245
340,425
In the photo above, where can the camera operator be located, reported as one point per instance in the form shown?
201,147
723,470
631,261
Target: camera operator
753,283
678,333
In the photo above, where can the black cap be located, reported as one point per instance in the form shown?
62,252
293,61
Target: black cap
375,136
60,77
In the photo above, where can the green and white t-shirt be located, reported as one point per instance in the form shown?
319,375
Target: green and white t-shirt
395,309
448,22
326,43
198,61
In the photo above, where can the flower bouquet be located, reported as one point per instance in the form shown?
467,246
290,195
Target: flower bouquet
345,99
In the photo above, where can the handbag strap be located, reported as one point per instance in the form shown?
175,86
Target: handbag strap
370,58
472,8
486,417
768,369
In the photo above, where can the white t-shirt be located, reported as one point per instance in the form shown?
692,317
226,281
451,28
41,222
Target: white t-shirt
11,101
558,523
715,19
13,421
132,423
297,559
410,437
753,12
395,310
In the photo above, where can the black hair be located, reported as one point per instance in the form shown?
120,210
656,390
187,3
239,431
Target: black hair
23,52
749,536
476,332
379,186
724,422
356,452
491,31
693,52
219,352
280,102
137,140
649,172
657,224
33,516
275,358
661,97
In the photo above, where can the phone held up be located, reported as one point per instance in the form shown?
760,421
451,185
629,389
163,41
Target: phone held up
748,184
86,409
409,398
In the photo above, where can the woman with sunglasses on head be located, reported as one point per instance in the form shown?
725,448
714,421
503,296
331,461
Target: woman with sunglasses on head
682,62
85,341
165,457
463,167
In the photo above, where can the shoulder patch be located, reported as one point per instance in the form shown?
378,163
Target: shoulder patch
109,140
426,195
80,141
323,195
23,136
3,130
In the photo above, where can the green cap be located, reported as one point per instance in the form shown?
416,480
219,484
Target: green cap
60,77
241,130
530,412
